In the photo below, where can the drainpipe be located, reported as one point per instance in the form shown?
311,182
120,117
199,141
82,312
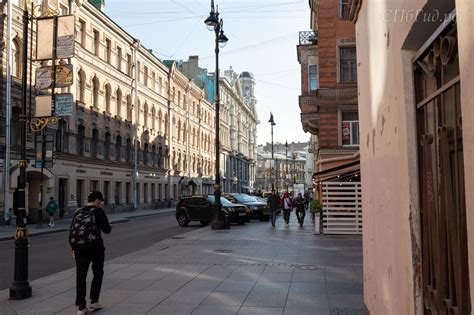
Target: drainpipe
136,46
170,137
6,161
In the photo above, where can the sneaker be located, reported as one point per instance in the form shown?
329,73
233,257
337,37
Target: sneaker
52,224
83,311
95,306
287,225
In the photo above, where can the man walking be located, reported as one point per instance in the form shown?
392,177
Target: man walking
87,247
272,202
300,209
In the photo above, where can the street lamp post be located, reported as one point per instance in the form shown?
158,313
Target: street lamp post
294,168
21,288
286,164
272,123
217,25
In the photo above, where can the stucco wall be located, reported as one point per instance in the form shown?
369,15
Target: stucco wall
388,157
465,11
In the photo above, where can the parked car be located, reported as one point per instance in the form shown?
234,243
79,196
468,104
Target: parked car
200,208
258,209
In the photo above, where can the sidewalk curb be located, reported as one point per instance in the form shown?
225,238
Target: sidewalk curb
148,214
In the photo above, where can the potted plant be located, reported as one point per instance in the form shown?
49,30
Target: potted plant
315,207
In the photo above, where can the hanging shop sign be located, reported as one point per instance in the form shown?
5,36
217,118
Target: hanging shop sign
44,78
43,106
64,76
65,37
45,36
63,104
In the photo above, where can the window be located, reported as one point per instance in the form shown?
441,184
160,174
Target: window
118,148
344,8
108,96
80,86
94,142
138,71
145,76
160,86
81,33
63,10
107,146
128,150
153,81
129,65
95,45
81,131
119,58
108,52
350,128
145,115
313,78
16,60
129,108
119,103
95,99
348,64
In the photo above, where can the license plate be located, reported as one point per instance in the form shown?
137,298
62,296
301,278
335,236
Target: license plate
242,214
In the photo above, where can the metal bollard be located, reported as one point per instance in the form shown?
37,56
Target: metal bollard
227,221
317,224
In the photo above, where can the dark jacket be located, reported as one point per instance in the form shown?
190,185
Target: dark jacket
102,223
272,202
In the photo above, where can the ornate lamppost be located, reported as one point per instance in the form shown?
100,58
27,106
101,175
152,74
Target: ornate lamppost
217,25
272,123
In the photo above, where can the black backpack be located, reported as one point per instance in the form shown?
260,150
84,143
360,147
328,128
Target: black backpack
84,231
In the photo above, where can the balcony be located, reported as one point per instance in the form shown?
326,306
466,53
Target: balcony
308,38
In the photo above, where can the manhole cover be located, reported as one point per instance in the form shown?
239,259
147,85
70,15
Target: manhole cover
178,237
223,251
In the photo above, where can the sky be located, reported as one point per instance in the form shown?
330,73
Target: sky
262,36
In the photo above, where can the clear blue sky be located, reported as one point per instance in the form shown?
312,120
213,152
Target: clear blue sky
262,36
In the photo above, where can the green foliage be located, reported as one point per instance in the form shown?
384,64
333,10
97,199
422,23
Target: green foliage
315,206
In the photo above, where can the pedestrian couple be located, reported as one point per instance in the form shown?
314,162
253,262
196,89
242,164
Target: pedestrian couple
87,247
287,203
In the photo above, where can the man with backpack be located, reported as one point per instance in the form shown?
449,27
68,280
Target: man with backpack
87,247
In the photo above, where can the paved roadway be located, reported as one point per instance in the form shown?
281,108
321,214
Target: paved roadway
49,254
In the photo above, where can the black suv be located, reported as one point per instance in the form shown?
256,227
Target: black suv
200,208
258,210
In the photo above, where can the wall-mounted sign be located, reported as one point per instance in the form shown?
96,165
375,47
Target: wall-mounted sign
44,78
63,27
64,75
45,36
48,151
63,104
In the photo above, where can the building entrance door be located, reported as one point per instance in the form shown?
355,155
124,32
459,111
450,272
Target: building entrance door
441,175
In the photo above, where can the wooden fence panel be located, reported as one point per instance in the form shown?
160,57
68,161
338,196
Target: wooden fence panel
342,208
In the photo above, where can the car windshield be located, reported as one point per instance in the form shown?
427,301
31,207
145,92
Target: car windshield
224,201
244,198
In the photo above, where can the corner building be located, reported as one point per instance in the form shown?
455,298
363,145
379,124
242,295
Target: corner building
94,148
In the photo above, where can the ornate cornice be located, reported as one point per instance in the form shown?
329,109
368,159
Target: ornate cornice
310,123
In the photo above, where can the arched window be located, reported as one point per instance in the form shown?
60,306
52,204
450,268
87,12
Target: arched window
94,142
166,125
119,103
129,108
153,155
95,96
160,122
81,85
145,115
107,146
81,132
153,118
108,96
145,154
178,136
118,147
160,156
128,150
16,58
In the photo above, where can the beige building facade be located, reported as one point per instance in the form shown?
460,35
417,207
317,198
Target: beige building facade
120,90
415,74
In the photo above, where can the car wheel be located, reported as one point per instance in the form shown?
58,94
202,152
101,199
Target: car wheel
204,223
182,219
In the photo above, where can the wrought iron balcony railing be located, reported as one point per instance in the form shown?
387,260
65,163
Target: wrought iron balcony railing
308,38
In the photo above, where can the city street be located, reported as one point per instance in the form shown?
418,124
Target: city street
49,253
249,269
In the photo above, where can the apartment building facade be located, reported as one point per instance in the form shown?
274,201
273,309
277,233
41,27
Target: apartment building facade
328,101
122,92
